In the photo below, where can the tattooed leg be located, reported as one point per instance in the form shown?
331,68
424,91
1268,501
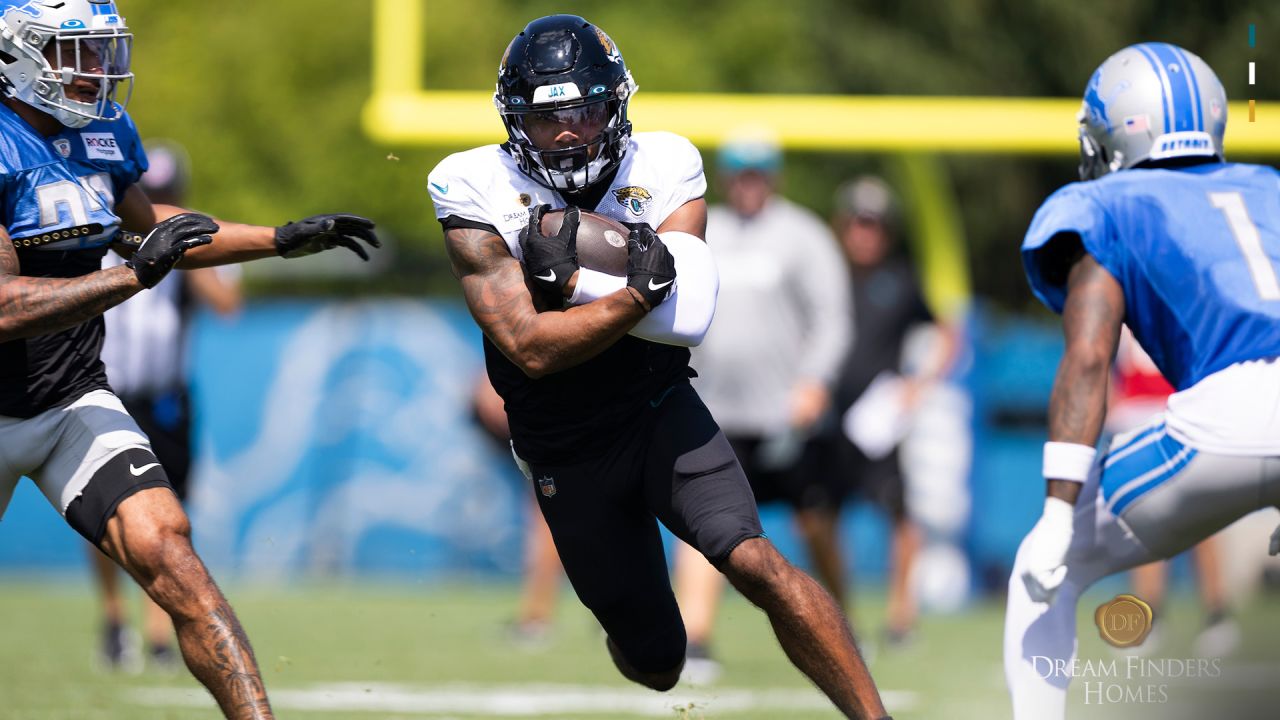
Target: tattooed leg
150,537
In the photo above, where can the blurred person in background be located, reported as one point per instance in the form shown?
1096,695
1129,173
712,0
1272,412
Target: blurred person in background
888,302
542,568
1139,393
594,368
144,352
1164,235
71,160
767,366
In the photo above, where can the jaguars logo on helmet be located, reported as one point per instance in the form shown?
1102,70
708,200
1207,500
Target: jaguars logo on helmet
1150,102
88,34
560,63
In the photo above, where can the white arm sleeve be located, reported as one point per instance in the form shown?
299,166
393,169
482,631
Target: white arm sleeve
681,319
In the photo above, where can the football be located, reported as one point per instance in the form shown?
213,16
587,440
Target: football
602,241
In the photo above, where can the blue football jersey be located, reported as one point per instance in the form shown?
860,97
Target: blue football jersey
63,181
70,179
1196,249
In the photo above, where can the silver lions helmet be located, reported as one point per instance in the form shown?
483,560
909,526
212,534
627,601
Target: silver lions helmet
67,58
1150,102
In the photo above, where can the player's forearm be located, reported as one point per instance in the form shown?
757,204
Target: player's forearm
682,319
1091,321
37,306
1077,409
553,341
233,243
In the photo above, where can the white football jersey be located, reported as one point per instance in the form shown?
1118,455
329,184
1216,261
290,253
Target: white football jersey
660,172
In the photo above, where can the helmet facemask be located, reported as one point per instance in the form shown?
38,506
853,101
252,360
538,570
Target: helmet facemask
40,65
576,167
1094,162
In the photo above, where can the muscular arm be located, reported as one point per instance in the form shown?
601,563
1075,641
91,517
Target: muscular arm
684,318
1091,321
493,284
690,217
36,306
233,243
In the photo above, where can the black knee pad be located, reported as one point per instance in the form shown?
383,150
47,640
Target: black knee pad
130,471
651,640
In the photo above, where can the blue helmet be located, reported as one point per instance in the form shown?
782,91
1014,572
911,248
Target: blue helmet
46,48
1150,102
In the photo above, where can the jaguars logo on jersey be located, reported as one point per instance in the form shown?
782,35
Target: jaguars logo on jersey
634,198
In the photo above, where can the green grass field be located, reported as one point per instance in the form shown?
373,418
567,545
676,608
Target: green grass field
404,651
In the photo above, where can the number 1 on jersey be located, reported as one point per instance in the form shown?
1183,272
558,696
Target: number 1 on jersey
1250,241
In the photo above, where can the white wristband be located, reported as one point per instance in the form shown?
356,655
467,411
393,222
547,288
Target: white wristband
1068,461
593,285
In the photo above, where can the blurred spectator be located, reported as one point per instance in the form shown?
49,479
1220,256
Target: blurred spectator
1138,395
542,570
876,402
144,353
767,365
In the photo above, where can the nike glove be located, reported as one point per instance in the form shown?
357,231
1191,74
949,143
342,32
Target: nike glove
650,268
551,260
1046,550
323,232
167,242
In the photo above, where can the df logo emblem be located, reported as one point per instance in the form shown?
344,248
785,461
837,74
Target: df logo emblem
1124,621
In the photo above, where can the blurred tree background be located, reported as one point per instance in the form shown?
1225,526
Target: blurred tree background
267,96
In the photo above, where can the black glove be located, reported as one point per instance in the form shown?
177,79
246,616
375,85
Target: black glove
551,261
323,232
650,268
164,246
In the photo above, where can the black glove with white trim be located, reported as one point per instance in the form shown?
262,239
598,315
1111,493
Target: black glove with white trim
324,232
551,260
651,270
167,242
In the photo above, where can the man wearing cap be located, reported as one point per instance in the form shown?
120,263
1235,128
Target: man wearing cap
146,366
887,303
768,363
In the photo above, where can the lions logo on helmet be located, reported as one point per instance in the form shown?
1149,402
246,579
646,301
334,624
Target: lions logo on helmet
1150,102
86,37
562,70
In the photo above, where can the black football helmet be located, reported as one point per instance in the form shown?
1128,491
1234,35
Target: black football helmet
562,69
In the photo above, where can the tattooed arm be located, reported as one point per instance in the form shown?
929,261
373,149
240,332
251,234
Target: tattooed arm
1091,323
32,306
493,283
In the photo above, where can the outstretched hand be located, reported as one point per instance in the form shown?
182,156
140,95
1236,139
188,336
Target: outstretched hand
323,232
